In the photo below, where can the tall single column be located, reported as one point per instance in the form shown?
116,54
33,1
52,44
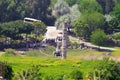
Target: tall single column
64,41
1,71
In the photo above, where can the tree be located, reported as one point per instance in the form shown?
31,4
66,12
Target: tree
72,2
52,3
81,29
39,28
88,23
15,28
75,14
63,19
61,8
37,8
92,6
99,38
116,1
68,18
12,10
107,5
114,23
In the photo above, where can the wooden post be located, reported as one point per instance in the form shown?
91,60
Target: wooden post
64,41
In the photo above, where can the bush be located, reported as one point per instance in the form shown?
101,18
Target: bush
116,36
48,78
75,44
76,74
59,77
33,73
99,38
7,71
106,70
10,51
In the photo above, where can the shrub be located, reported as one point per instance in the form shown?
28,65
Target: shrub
106,70
48,78
7,71
59,77
76,74
116,36
99,38
33,73
10,51
75,44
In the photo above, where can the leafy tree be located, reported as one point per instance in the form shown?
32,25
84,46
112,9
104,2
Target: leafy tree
39,28
68,18
98,37
37,8
88,23
116,1
15,28
61,8
107,5
63,19
71,2
92,6
12,10
116,11
116,36
52,3
81,29
114,24
75,14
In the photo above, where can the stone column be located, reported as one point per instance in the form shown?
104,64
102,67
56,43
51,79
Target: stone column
1,71
64,41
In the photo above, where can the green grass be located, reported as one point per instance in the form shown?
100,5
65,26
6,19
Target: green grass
49,66
116,52
52,66
79,52
44,52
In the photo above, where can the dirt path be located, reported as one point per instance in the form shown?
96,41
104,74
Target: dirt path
74,39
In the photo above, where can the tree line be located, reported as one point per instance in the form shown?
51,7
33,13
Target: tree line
98,14
11,10
15,29
41,9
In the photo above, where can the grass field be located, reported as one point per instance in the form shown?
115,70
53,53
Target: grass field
52,66
116,52
49,66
